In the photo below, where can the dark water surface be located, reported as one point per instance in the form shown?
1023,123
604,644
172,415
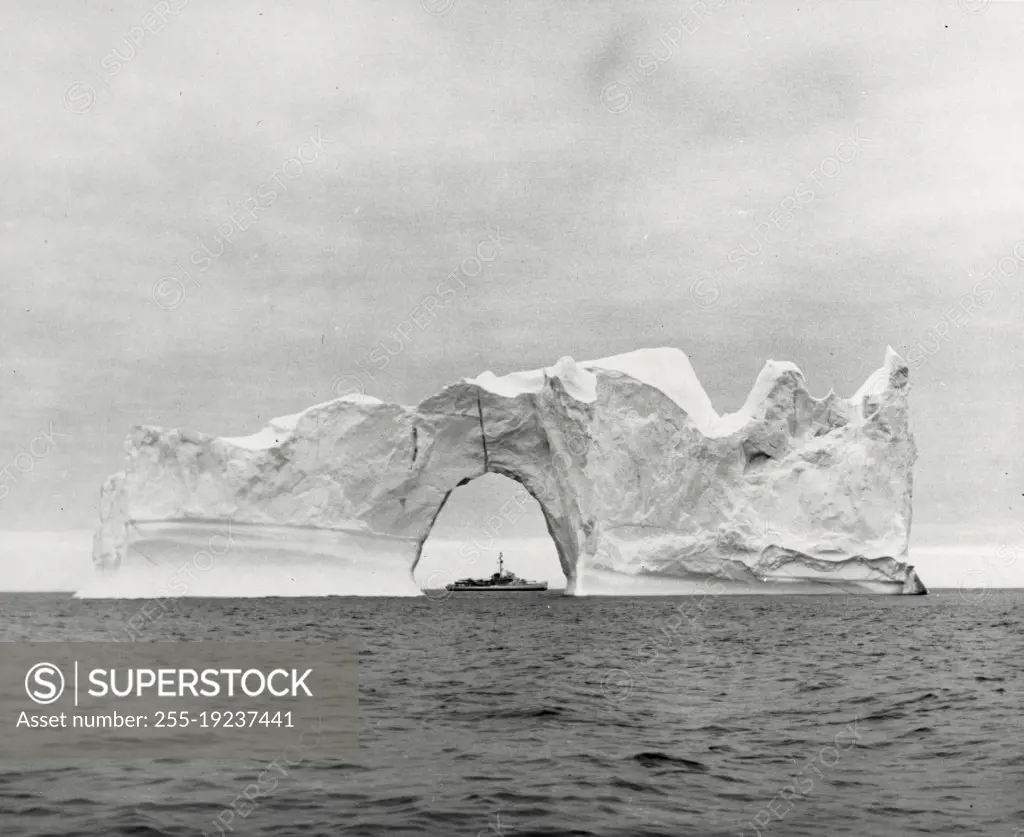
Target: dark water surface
543,715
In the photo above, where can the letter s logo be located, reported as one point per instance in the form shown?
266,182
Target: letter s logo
44,683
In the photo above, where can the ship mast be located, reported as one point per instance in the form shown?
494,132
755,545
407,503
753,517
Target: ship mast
501,564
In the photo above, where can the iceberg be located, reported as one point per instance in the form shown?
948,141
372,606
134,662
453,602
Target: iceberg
645,489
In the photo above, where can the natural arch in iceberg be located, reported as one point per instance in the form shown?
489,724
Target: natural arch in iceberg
491,514
644,488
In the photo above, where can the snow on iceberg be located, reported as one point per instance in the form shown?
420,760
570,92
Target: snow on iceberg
645,489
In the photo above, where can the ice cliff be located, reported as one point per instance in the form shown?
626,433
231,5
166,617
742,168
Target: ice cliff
644,487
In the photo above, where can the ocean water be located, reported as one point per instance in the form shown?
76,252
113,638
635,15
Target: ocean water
544,715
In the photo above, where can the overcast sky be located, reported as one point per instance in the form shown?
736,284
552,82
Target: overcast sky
625,157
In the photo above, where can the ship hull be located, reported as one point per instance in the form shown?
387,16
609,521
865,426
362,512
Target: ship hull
521,588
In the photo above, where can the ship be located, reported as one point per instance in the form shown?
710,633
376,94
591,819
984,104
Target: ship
501,582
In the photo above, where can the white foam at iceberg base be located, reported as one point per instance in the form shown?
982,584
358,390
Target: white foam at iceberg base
219,560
